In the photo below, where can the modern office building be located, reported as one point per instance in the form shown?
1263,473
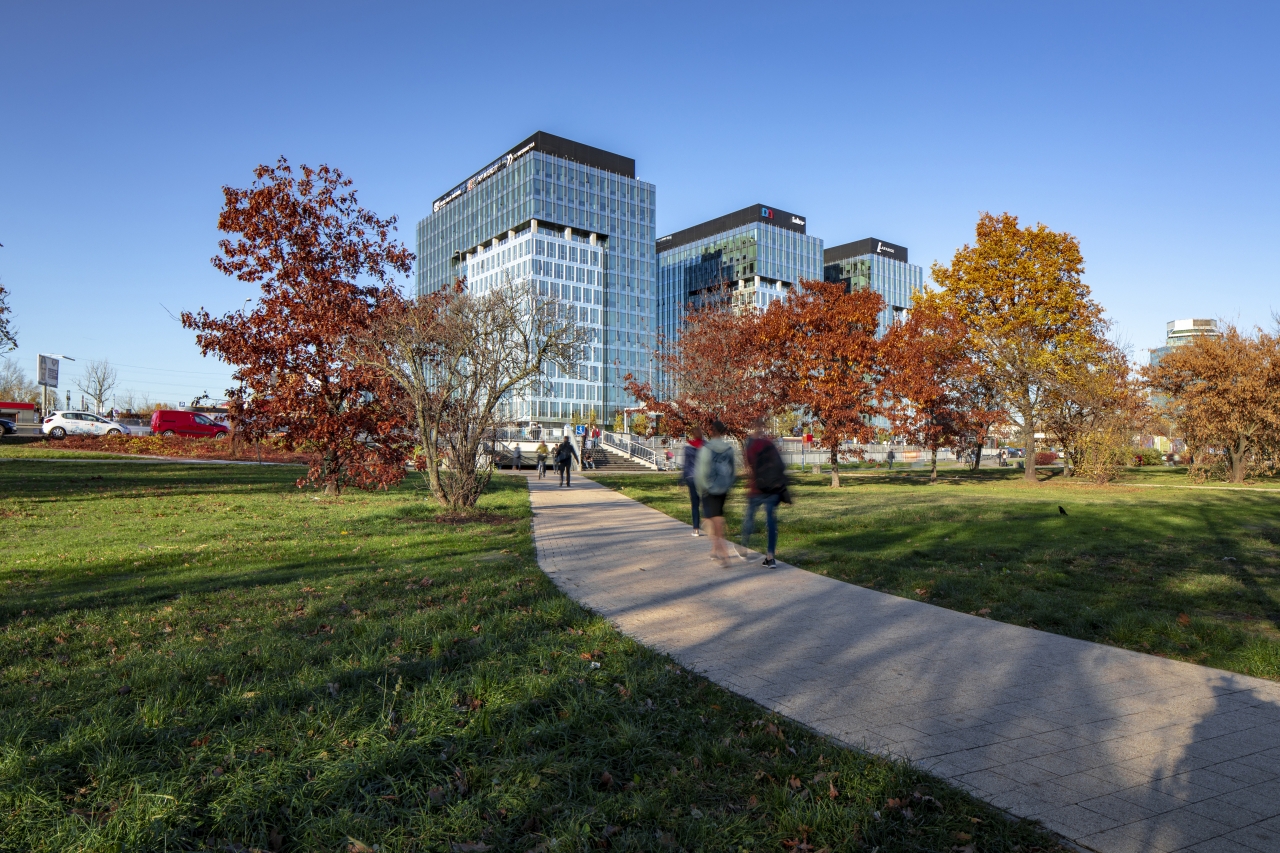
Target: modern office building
574,222
752,256
879,266
1179,333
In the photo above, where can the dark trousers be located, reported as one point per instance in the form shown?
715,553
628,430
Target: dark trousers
564,468
695,503
770,504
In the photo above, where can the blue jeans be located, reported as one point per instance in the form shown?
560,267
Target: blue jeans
770,504
696,503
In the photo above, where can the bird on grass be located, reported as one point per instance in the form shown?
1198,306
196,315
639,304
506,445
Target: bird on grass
1061,510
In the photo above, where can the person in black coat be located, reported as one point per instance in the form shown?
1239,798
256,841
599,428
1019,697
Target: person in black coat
565,457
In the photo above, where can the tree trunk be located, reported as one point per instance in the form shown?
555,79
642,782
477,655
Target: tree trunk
977,454
1029,447
1235,456
331,490
835,467
933,466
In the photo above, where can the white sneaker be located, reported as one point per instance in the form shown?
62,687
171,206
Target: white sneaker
697,533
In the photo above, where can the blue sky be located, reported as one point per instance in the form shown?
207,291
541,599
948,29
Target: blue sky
1147,130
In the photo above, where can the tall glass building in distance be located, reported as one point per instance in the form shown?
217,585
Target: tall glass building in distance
878,266
754,255
574,222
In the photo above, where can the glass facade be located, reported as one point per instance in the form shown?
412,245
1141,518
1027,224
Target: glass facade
576,230
757,262
896,281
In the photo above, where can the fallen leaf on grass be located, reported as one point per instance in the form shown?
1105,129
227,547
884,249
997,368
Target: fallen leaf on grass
333,689
355,845
961,836
125,690
1184,619
984,611
922,592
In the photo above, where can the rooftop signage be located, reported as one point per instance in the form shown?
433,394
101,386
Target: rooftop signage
554,146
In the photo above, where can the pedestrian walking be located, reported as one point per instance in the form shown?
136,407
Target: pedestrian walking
714,474
565,457
766,488
687,467
588,454
542,453
890,457
517,459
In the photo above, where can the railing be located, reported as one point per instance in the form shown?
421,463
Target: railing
634,449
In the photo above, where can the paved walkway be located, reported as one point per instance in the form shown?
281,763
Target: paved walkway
1117,751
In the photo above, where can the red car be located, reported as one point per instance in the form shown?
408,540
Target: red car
178,422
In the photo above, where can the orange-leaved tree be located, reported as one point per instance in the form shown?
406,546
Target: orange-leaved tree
1224,395
928,373
324,265
714,369
825,357
1029,315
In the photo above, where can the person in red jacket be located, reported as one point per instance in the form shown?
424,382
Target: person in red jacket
686,476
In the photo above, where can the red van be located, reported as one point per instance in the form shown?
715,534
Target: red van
178,422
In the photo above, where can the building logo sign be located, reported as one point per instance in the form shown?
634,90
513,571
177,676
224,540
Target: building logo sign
766,213
796,220
881,247
480,178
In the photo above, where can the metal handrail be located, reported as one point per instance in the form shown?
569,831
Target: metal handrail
633,449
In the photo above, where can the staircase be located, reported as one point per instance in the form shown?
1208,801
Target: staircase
616,463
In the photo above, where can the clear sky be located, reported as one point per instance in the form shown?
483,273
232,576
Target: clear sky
1147,130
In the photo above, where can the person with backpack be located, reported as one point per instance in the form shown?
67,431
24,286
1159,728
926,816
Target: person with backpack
687,467
767,487
714,474
565,457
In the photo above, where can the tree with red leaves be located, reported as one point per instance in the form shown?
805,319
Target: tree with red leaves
324,264
827,359
715,369
927,373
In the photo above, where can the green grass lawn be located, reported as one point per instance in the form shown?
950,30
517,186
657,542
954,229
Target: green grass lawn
1192,574
205,657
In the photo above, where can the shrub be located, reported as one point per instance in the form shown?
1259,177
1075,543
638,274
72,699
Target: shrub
1147,456
1046,457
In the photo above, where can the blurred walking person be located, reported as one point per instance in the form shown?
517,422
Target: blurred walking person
565,457
687,466
766,487
542,453
517,459
714,475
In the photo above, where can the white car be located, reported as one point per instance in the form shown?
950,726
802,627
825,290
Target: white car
63,424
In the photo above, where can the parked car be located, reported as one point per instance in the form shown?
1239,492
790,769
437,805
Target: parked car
63,424
179,422
7,427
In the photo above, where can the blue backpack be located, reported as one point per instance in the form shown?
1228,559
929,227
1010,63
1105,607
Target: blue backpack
722,473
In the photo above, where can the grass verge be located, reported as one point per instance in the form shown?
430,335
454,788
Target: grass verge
1192,574
205,657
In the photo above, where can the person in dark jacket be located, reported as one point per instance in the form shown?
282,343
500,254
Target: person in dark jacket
686,476
766,484
565,457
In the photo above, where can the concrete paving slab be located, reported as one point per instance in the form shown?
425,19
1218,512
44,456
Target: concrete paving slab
1167,744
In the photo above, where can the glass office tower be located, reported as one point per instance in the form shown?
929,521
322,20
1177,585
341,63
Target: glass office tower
573,221
752,256
880,266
